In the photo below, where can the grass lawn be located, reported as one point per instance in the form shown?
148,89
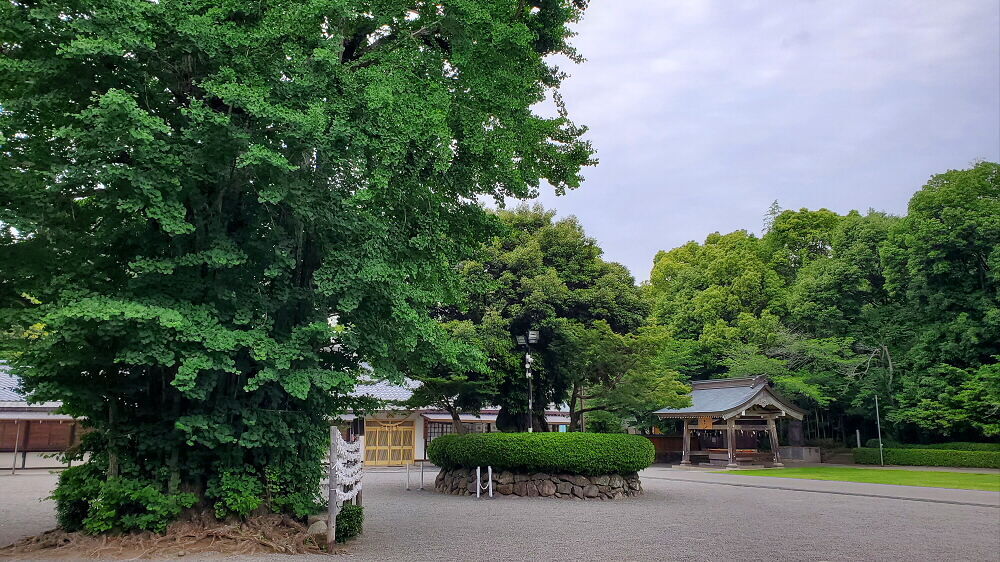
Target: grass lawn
929,479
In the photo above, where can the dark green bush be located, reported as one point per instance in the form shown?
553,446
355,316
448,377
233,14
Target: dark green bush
574,453
350,519
128,505
293,486
236,493
929,457
78,487
953,446
958,446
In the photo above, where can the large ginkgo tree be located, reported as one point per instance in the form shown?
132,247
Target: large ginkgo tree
212,212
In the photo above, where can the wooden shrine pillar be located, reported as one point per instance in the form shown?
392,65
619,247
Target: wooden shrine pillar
686,448
772,432
731,441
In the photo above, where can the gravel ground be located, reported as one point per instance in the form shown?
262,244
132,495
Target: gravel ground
681,516
24,511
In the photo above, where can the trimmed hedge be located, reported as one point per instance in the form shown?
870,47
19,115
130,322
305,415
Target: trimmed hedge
929,457
574,453
953,446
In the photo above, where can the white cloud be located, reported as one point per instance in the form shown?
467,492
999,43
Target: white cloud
704,112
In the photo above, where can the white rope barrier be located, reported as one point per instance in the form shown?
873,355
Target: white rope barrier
348,475
345,471
480,487
349,495
347,450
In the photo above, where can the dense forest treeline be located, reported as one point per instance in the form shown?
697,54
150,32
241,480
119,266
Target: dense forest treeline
839,308
835,309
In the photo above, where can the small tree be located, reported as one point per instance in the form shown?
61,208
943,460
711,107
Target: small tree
461,382
626,375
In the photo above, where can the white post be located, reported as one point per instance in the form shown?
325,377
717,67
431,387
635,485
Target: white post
489,471
407,476
857,434
479,482
331,510
878,424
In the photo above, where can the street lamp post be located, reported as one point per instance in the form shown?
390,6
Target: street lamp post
526,342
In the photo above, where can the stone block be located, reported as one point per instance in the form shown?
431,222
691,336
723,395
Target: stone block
317,517
462,482
546,488
317,528
521,488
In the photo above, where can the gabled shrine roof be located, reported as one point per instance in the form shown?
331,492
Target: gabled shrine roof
726,398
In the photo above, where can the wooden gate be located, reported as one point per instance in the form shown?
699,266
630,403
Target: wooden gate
388,443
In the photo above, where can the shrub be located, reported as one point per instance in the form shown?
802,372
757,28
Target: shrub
236,492
953,446
575,453
929,457
127,505
78,487
293,487
350,519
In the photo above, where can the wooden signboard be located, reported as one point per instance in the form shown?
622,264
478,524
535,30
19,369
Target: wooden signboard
705,423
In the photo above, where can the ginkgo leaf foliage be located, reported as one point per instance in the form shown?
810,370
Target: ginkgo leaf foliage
216,211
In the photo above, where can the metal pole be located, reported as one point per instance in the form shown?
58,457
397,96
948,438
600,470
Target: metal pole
479,481
489,474
878,424
407,465
361,461
857,434
531,405
331,510
17,439
422,475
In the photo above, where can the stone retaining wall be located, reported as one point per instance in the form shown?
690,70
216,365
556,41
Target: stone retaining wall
462,482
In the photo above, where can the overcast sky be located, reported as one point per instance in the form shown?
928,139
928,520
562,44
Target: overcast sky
703,112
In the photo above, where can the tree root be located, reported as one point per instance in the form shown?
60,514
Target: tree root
271,533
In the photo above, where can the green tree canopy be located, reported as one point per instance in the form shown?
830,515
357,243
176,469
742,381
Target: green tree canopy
217,210
837,309
545,274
